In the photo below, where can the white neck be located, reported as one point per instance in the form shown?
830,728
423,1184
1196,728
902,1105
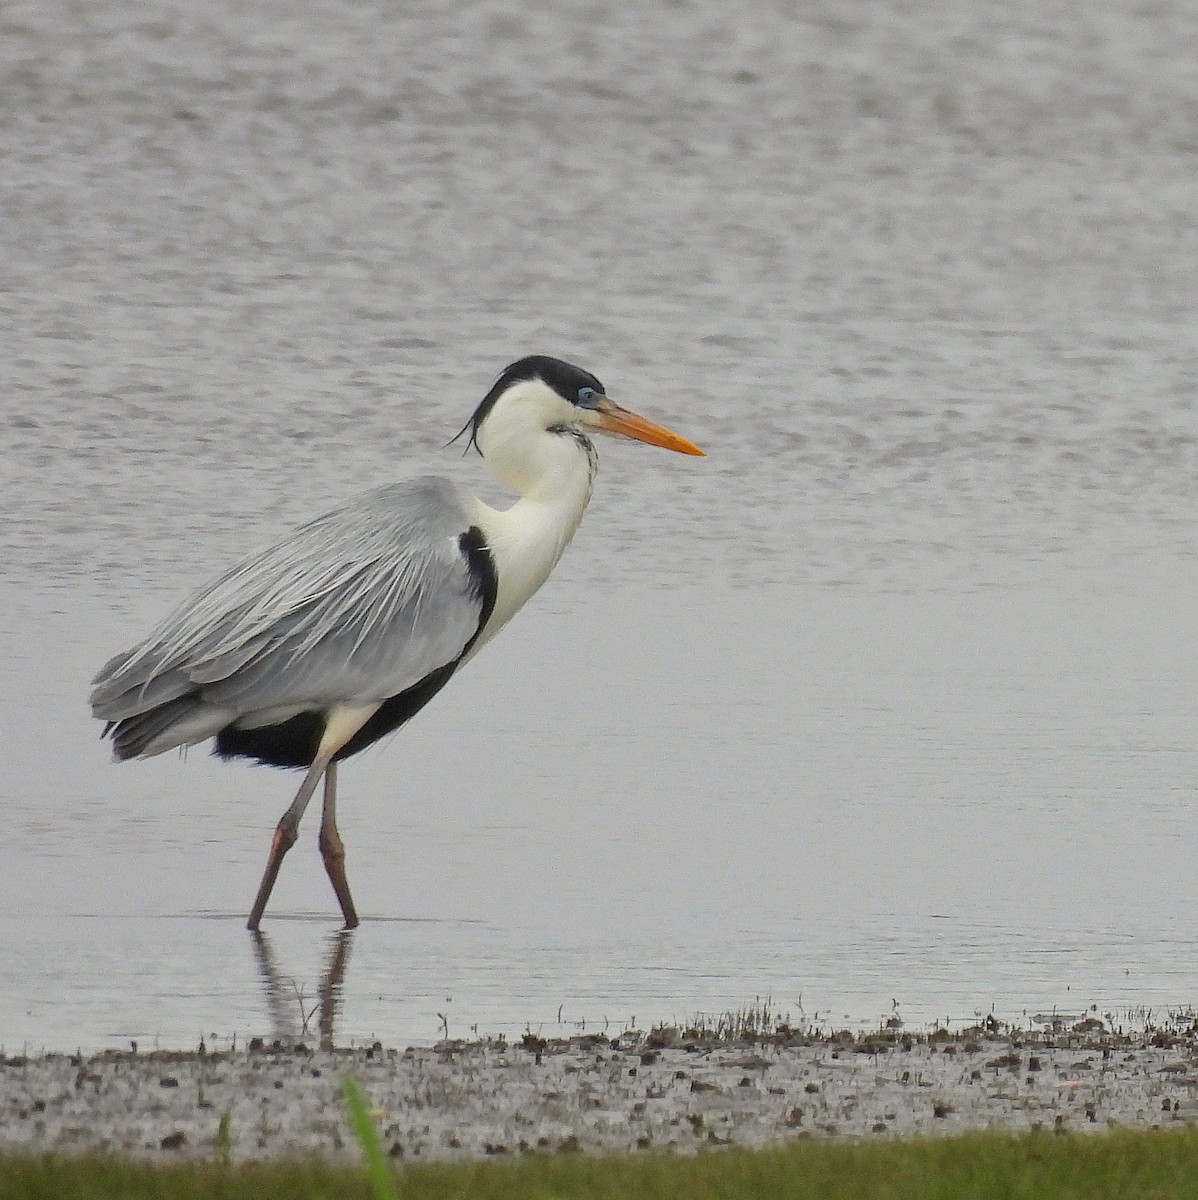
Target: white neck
554,473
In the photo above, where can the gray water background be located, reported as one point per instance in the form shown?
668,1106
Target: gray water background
890,701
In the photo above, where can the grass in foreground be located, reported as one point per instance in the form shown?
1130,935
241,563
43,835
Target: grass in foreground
1123,1165
378,1169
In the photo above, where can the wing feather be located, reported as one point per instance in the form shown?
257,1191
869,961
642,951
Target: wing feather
353,607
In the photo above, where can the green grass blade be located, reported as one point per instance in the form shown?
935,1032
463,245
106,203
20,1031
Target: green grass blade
378,1169
224,1142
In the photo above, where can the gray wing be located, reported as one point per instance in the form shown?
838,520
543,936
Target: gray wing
355,606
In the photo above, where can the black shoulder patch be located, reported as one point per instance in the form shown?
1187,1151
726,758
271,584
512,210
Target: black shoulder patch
483,575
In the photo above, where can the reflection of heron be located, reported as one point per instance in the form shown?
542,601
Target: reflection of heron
310,651
285,999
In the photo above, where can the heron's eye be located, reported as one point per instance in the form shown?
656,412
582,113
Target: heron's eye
587,397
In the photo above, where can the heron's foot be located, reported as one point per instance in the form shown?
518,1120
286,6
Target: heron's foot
332,851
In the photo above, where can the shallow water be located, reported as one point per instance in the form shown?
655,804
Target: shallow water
889,700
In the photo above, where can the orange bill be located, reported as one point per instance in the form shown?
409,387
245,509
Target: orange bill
614,419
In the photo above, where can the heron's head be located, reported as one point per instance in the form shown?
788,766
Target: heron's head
539,394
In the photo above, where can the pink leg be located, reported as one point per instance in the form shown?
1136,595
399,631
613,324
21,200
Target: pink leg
332,849
285,834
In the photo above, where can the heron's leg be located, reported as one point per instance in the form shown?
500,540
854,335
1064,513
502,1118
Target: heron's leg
332,849
286,832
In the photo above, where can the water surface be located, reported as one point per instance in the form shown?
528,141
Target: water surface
888,701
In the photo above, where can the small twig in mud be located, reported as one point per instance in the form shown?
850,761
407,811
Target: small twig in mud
305,1016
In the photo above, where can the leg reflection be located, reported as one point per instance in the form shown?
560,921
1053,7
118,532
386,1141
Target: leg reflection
291,1010
331,983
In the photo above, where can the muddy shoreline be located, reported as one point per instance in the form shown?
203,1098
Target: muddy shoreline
595,1095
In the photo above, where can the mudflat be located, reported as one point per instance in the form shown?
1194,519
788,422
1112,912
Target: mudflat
637,1092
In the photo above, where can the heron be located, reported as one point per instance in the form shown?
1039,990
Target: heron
311,650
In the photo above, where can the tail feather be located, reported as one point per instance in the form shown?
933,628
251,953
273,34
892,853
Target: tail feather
179,722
